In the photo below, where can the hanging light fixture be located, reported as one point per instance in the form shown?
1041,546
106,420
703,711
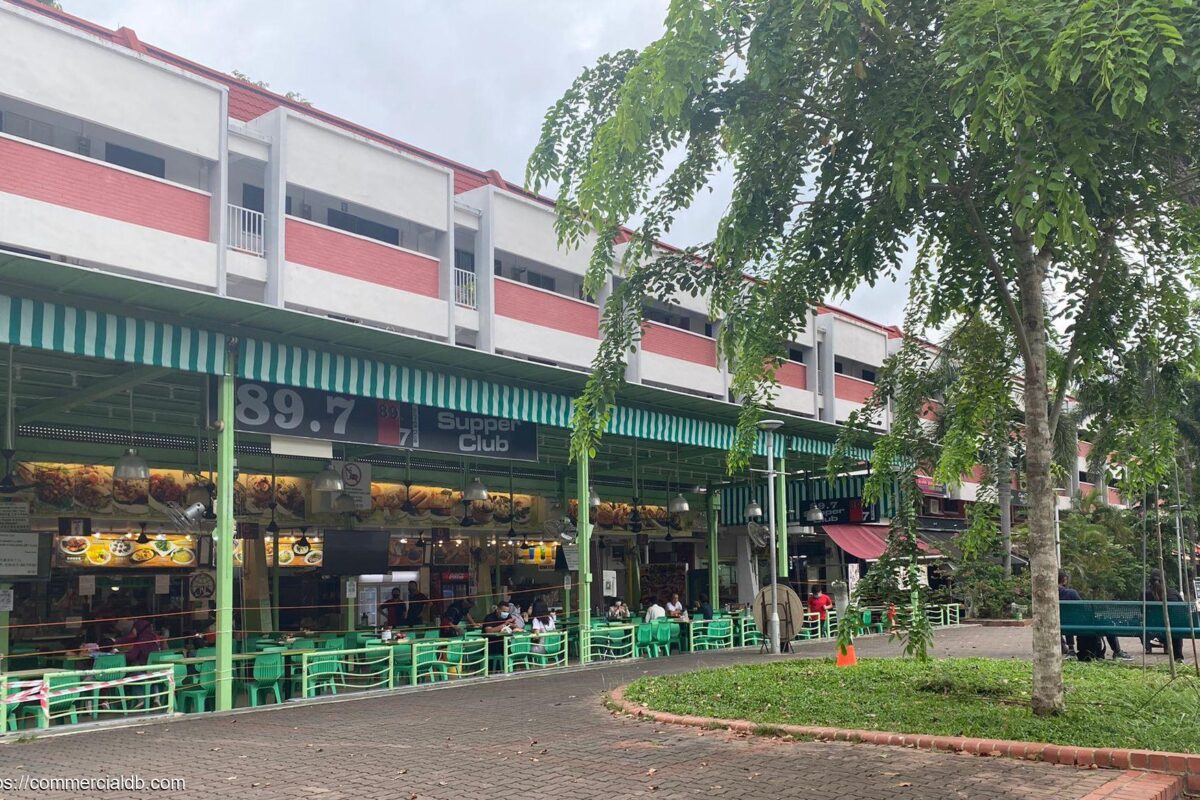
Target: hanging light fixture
635,516
753,509
593,497
815,514
475,491
328,480
273,526
301,546
201,491
142,537
131,466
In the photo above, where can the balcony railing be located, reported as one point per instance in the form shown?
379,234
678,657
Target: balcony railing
246,230
464,287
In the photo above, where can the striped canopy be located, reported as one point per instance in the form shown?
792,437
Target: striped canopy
67,329
845,487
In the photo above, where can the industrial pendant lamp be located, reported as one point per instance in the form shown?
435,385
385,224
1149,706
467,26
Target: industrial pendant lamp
344,503
678,503
593,497
131,466
142,537
328,480
475,491
753,509
301,545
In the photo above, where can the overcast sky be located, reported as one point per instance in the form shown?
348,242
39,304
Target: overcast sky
468,79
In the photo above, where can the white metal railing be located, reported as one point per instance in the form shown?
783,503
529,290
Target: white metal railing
464,287
246,230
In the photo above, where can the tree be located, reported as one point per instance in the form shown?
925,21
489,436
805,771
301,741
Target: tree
1040,152
296,96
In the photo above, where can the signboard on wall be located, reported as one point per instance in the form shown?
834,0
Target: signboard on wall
269,408
841,511
23,555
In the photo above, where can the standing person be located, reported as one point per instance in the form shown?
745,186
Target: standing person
417,601
450,623
674,607
654,611
393,609
820,603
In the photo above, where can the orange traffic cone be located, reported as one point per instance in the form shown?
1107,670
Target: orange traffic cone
846,658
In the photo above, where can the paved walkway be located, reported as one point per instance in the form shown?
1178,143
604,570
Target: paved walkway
544,736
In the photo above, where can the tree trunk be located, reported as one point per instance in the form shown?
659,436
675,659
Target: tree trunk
1039,450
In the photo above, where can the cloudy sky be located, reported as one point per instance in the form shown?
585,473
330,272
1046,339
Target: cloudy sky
470,79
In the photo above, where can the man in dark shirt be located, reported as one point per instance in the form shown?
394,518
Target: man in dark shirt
416,605
1065,592
393,609
705,609
495,626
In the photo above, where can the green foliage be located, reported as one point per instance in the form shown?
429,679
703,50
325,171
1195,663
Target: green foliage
977,697
988,593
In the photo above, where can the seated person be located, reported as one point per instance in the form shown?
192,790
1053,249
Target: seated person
704,609
674,606
654,611
495,626
541,624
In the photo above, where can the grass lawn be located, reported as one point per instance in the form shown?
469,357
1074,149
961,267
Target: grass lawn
1106,703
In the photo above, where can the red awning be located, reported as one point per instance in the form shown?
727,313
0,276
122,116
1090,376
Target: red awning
866,541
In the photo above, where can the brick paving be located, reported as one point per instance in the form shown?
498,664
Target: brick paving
543,736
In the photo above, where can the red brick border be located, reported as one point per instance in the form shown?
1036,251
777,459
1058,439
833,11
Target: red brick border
1147,774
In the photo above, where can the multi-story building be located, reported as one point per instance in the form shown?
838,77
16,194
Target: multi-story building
120,157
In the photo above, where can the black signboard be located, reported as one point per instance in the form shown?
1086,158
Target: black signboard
841,511
269,408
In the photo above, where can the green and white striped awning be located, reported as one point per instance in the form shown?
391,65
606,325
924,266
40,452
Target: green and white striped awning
844,487
67,329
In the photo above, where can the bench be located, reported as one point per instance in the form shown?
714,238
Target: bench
1124,618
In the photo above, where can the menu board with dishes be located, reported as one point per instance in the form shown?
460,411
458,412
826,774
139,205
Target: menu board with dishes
89,489
292,552
619,517
122,550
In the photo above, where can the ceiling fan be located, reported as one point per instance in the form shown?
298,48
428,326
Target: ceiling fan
8,484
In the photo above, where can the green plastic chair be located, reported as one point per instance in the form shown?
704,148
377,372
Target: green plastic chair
676,641
430,666
323,673
113,694
662,637
555,648
715,635
265,675
644,641
194,697
332,644
63,707
402,664
163,656
518,655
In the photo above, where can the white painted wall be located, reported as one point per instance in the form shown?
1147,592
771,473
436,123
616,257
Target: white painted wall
858,342
127,248
246,266
527,339
327,292
845,408
332,161
71,72
693,377
800,401
526,228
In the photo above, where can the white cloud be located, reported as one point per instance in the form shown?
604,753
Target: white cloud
467,79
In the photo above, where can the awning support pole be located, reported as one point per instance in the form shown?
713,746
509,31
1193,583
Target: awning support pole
781,516
711,504
584,542
224,538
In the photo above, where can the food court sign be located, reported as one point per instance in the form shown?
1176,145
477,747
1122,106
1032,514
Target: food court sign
269,408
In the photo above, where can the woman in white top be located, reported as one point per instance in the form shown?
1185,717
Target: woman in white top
542,624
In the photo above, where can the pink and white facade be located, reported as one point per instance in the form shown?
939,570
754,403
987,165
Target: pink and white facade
118,156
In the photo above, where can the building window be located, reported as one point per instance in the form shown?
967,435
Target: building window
868,375
363,227
1084,477
539,280
708,329
837,367
497,267
135,160
26,128
795,354
464,260
253,198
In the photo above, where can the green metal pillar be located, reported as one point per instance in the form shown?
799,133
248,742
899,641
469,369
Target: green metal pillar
584,542
4,621
712,504
781,516
275,600
224,540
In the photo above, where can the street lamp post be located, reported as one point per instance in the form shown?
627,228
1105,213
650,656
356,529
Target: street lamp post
770,426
